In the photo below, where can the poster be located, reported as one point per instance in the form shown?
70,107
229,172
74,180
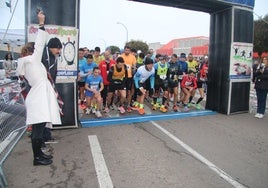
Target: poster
67,62
241,60
62,21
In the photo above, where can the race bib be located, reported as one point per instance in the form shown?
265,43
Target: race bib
94,87
163,77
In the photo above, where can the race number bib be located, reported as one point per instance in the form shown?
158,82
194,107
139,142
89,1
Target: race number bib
163,77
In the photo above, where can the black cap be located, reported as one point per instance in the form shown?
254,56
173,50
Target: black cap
182,55
148,61
89,56
54,43
97,49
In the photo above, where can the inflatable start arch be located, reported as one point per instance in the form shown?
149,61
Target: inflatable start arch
230,50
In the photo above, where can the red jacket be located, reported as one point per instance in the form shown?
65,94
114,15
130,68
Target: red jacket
104,70
188,81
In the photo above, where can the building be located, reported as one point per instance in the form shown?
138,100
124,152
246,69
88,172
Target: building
11,41
155,45
198,46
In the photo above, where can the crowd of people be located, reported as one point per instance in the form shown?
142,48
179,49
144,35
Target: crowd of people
125,81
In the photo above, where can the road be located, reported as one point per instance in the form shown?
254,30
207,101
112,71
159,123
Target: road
207,151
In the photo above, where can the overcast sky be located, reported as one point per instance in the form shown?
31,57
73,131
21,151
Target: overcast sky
145,22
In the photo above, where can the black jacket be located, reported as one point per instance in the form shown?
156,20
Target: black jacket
261,79
49,60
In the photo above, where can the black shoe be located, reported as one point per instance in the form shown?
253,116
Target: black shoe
45,156
41,161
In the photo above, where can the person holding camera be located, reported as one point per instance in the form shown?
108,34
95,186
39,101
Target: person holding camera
261,87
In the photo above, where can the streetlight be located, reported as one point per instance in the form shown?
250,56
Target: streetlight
104,41
125,28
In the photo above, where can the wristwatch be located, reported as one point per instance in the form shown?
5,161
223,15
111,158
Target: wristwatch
69,52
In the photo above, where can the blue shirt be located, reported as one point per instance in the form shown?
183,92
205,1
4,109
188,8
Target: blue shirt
93,83
81,63
87,69
183,67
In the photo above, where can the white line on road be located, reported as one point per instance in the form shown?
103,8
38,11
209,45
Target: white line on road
104,178
213,167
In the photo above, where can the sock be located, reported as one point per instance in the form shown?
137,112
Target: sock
190,99
154,100
199,100
164,100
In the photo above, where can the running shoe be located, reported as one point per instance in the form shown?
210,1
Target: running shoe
185,109
154,107
198,106
93,110
106,110
83,106
129,109
175,108
98,114
141,111
163,109
121,109
135,106
88,111
260,116
111,107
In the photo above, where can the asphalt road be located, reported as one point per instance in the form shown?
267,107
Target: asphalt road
215,151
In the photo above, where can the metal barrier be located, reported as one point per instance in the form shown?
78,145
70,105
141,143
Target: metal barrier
12,121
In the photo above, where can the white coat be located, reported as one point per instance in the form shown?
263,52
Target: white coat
41,101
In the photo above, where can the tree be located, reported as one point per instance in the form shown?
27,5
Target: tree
138,45
114,49
260,35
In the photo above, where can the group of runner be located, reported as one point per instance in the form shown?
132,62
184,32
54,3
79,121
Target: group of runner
129,79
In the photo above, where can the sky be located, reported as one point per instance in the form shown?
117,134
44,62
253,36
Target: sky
110,22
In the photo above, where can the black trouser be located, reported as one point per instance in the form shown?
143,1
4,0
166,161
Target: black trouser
104,95
47,134
37,138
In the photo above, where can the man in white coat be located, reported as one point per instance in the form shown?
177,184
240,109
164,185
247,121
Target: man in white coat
41,102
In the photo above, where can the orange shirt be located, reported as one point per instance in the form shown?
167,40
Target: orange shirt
130,61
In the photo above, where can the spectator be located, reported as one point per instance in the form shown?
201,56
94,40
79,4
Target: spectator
261,87
9,64
50,60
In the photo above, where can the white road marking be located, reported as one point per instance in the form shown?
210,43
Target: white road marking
213,167
103,176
